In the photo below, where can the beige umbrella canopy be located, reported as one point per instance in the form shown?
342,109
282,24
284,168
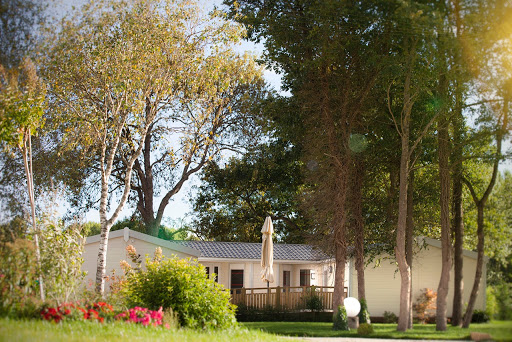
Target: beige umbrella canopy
267,251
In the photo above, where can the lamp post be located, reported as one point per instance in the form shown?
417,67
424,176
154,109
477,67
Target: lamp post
352,306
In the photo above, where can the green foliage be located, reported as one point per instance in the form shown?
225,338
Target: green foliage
133,223
340,319
182,285
172,234
91,228
22,102
364,315
61,261
499,301
313,302
18,287
14,229
235,198
390,317
365,329
498,219
480,316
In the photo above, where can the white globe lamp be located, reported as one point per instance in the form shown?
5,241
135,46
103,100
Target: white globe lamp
352,306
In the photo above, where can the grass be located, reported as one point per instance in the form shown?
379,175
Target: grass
499,330
35,330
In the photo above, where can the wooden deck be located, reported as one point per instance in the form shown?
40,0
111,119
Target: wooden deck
289,297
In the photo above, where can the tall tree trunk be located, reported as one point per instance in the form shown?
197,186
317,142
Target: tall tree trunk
479,265
405,160
27,161
480,205
106,167
458,223
409,237
145,188
400,251
356,204
340,241
444,201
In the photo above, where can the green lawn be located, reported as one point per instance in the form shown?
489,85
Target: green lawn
499,330
35,330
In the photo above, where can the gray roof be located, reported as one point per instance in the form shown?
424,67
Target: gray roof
246,250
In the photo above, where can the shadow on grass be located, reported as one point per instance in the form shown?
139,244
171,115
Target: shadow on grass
500,331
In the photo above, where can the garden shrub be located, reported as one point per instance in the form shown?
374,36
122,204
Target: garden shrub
340,319
61,261
365,329
18,284
182,285
425,304
364,315
142,316
61,250
97,311
499,301
313,302
479,316
390,317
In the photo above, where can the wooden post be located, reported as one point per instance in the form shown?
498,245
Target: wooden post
278,297
244,296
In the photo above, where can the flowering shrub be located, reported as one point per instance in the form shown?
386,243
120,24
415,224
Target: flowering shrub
69,311
425,305
180,285
101,311
143,316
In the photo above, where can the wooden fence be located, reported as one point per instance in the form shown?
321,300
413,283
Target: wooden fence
289,297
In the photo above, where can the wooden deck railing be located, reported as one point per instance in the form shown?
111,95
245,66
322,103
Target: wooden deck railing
289,297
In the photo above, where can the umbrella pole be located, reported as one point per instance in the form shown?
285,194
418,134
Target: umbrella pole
268,293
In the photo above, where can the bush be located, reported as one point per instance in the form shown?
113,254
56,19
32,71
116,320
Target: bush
61,261
499,301
365,329
390,317
425,303
340,319
182,285
18,284
313,302
364,315
98,311
479,316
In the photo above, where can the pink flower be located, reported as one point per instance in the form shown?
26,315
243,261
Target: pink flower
146,320
121,315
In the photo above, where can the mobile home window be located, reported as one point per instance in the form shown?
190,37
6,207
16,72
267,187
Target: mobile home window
286,278
305,277
237,279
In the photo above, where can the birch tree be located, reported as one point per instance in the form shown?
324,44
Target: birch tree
22,102
112,68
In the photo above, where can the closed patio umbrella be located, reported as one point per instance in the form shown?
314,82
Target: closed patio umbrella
267,251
